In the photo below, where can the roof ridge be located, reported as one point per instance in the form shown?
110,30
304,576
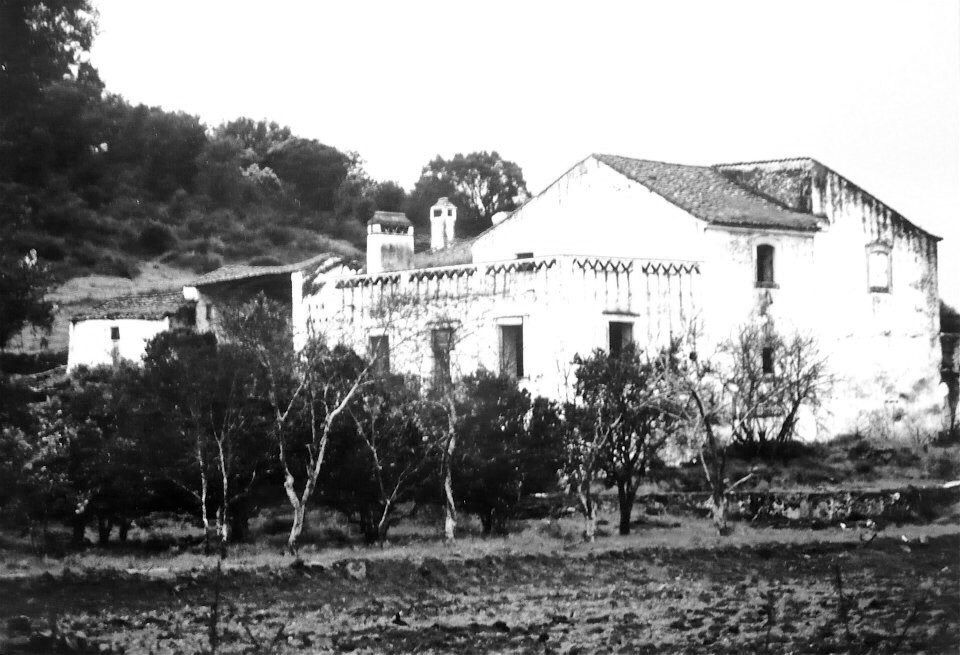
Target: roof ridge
781,160
648,161
143,294
743,208
245,271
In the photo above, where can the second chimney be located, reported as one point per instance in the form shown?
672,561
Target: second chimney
443,219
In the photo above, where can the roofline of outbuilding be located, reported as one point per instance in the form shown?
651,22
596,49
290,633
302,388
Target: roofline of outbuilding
254,272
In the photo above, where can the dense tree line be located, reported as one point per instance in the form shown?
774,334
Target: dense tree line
95,183
206,426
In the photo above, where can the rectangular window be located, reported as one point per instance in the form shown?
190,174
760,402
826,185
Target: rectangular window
438,212
765,276
209,312
878,270
511,351
524,255
115,333
621,336
767,360
441,345
380,354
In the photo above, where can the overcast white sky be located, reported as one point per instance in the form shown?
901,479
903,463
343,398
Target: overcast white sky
871,88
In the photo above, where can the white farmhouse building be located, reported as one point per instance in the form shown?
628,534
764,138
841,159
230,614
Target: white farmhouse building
119,328
621,249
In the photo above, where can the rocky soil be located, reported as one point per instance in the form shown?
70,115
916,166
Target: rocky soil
885,596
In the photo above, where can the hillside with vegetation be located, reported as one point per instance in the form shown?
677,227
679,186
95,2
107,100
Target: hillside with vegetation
128,197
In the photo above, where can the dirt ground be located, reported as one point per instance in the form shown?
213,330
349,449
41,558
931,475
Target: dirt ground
834,594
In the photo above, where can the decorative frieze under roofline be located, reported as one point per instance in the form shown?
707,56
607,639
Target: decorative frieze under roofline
647,266
616,265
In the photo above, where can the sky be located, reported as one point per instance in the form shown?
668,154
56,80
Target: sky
870,88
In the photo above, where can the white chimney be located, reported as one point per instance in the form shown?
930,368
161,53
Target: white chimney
443,218
389,242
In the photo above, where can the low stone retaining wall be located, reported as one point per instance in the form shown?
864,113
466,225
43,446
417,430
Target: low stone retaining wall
810,509
816,508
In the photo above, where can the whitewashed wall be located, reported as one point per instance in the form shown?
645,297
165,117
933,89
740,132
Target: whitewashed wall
91,345
593,210
565,305
593,234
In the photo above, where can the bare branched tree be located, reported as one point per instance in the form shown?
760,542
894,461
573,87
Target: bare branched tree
308,391
750,392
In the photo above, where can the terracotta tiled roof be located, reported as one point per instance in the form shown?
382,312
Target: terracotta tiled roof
707,194
391,219
154,306
234,272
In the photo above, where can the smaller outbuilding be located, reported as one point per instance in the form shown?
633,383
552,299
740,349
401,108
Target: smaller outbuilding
120,328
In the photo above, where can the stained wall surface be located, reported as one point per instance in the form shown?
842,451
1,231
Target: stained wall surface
607,249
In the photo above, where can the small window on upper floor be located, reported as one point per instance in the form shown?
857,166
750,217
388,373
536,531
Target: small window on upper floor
524,255
879,276
209,312
765,276
438,212
115,333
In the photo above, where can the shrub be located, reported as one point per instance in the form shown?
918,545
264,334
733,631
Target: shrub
243,248
265,260
197,262
197,225
128,208
349,230
499,457
27,363
86,255
157,238
279,235
49,248
943,464
118,266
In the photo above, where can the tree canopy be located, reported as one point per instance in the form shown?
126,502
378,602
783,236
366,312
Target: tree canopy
479,183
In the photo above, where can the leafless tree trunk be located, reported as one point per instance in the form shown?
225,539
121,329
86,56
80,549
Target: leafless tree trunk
587,508
449,507
204,492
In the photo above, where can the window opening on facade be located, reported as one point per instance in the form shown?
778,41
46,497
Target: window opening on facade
878,269
441,345
115,333
620,336
765,276
767,360
511,350
379,349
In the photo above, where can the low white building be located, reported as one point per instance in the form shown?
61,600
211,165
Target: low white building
620,249
120,328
